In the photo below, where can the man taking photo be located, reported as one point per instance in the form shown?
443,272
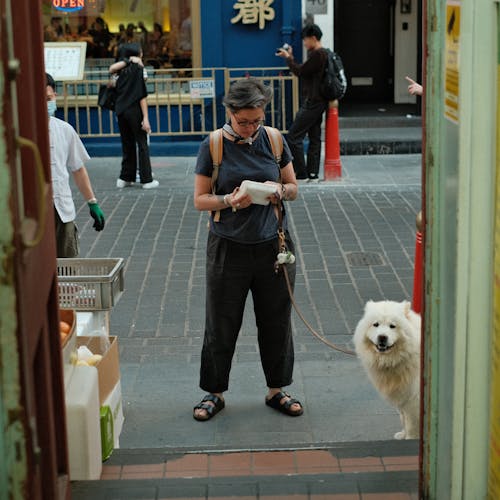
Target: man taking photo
310,115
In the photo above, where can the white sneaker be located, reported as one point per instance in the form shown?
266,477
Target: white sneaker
151,185
120,183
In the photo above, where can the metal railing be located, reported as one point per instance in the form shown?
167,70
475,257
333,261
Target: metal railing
177,106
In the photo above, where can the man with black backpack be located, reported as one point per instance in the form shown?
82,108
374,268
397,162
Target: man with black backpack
315,100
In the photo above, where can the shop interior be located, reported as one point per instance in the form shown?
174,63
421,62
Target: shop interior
163,28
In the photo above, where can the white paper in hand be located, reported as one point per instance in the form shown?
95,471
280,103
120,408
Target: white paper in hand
258,191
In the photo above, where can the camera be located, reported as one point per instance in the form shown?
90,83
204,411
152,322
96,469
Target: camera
285,47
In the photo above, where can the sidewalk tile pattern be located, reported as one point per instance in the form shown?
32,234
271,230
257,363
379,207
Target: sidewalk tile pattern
361,471
259,463
160,320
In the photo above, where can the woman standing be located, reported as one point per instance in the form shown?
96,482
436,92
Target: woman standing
241,252
131,110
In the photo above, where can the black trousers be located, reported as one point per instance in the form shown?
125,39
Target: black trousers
232,270
307,122
131,134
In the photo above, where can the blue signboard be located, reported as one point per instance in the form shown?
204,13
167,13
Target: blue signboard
246,33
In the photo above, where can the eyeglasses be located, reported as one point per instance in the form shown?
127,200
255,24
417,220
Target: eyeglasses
254,123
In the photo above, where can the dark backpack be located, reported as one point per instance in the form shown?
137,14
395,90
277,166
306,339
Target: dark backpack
334,83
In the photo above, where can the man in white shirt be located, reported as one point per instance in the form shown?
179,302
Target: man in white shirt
68,154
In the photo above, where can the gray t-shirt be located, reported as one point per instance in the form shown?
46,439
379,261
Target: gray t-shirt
254,162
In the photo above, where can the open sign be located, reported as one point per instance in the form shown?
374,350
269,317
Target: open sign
68,5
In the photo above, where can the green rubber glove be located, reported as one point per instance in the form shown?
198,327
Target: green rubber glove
98,216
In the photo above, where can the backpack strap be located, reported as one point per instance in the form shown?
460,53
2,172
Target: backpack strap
276,140
216,144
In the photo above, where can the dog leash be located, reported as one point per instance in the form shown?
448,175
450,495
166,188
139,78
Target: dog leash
282,265
306,323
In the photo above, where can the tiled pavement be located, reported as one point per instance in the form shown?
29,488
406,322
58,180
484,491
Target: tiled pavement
364,471
159,320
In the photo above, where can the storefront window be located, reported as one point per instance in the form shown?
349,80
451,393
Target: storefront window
162,27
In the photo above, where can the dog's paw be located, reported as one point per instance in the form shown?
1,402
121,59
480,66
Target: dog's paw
400,435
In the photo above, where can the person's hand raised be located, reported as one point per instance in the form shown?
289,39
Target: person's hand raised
136,60
414,88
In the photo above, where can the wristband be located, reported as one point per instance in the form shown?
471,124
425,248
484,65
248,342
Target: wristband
92,200
224,200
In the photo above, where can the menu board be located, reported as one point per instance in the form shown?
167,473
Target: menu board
65,60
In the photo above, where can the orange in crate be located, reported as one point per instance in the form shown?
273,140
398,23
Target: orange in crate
67,322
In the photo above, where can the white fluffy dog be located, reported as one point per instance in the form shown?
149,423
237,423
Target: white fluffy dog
387,341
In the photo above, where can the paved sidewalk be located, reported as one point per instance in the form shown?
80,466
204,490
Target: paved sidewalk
160,318
356,471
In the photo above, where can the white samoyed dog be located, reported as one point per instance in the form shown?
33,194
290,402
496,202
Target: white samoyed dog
387,341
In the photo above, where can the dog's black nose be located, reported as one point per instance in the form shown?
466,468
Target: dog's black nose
382,340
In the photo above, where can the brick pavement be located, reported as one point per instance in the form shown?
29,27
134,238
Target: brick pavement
356,471
159,319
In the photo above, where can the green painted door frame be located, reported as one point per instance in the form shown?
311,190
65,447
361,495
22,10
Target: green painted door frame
460,199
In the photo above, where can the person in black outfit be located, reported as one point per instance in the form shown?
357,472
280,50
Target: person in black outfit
101,38
131,109
241,252
310,115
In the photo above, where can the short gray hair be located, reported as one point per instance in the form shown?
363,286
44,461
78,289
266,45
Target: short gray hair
247,93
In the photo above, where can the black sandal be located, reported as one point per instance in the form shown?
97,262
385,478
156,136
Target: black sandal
212,410
275,402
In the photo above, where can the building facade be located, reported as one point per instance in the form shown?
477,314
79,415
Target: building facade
379,42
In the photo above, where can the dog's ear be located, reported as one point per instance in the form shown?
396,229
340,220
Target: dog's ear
406,307
369,305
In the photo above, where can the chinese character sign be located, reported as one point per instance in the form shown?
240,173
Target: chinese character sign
253,12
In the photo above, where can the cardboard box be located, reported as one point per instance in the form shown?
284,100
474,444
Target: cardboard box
108,369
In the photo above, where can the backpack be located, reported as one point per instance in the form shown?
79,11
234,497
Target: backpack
216,146
334,82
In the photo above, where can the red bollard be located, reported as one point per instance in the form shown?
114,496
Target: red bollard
333,167
416,304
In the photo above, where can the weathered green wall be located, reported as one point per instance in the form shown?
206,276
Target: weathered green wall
460,180
13,462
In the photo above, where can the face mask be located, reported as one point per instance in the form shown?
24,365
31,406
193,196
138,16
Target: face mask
51,107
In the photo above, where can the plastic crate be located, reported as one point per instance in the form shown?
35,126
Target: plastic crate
90,284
